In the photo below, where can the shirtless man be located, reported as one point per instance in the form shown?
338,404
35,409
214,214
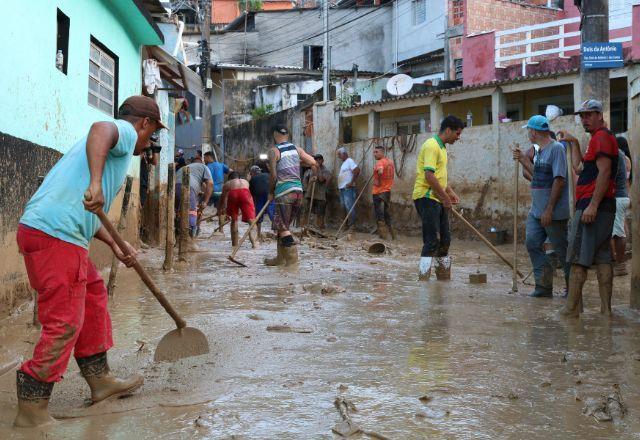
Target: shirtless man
237,197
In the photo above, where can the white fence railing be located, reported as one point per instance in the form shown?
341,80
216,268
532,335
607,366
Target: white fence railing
525,49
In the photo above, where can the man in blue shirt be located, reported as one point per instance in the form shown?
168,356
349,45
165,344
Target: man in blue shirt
54,235
546,168
218,171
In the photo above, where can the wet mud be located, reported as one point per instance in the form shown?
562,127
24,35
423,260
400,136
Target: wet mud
349,344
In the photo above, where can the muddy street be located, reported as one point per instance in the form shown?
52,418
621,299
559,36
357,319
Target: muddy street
354,335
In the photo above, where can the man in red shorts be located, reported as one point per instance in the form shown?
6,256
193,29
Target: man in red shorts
235,198
53,236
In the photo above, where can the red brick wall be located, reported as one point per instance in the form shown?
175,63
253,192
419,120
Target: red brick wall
487,15
456,12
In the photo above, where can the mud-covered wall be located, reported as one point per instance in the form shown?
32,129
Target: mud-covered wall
481,171
21,164
245,142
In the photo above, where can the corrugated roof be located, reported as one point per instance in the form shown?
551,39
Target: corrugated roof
460,89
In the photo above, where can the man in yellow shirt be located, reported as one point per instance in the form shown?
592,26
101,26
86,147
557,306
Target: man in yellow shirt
433,198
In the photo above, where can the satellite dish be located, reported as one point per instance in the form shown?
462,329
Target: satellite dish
399,84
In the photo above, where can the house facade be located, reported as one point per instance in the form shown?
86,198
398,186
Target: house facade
93,64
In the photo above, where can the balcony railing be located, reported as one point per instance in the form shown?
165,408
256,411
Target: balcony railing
540,40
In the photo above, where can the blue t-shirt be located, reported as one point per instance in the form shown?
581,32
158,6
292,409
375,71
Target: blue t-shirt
218,170
548,163
57,209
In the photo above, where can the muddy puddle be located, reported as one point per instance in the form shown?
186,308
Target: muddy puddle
350,330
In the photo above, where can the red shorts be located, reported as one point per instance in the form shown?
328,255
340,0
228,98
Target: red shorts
72,303
240,200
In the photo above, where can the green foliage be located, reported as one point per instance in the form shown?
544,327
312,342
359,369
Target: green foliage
262,111
249,5
345,99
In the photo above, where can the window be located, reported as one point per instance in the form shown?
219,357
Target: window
407,128
198,112
103,78
457,63
419,11
62,42
312,57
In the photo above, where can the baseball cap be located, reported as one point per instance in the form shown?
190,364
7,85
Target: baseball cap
143,107
590,105
281,128
318,157
255,169
537,122
180,151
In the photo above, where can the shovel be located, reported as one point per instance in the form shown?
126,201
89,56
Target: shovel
177,344
306,226
487,242
246,234
354,206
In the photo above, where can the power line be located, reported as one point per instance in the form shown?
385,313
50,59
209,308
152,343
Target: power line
274,60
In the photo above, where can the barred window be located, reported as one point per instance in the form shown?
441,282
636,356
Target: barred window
419,8
458,67
103,73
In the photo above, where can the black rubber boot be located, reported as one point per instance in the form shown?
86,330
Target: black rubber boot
103,384
33,401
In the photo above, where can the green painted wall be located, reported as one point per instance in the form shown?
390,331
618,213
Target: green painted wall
40,103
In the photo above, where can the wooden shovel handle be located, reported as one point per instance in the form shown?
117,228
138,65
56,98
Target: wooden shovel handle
487,242
253,223
180,323
354,206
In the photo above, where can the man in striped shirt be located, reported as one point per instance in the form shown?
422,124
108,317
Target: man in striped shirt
592,225
286,190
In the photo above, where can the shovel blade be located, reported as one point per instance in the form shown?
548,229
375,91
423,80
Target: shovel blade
236,261
181,343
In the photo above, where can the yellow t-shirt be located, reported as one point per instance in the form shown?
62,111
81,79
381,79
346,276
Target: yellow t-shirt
432,157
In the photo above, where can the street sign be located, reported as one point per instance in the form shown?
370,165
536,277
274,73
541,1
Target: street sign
602,55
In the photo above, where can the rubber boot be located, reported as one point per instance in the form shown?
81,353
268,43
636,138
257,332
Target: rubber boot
605,287
33,401
443,268
424,269
290,254
383,232
544,285
279,258
234,234
103,384
573,307
393,232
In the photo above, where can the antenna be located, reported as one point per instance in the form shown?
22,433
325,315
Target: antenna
399,84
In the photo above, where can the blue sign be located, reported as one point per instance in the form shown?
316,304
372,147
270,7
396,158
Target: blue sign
602,55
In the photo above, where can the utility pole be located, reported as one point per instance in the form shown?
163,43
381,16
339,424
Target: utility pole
205,74
594,83
325,54
633,76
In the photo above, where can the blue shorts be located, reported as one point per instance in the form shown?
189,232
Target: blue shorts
259,203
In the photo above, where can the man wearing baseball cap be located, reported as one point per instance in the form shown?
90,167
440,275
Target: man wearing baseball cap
285,188
54,235
546,168
592,225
